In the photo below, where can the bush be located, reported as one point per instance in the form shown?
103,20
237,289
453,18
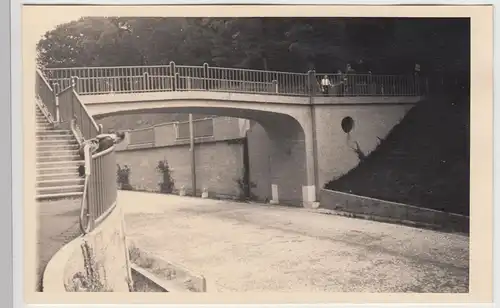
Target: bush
245,187
123,178
167,184
90,280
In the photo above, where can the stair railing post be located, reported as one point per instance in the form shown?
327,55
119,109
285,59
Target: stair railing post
73,86
55,92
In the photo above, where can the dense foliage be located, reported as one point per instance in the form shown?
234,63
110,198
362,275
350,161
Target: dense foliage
390,45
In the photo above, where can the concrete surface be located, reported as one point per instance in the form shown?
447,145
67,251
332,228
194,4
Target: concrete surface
251,247
57,226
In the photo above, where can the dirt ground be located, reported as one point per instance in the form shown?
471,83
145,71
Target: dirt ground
253,247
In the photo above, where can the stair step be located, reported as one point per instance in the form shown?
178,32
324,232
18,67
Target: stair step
64,163
53,142
59,195
54,137
58,176
48,171
60,182
54,132
59,189
56,159
58,152
56,147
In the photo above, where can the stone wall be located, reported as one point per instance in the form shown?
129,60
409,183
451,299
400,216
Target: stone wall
218,158
218,166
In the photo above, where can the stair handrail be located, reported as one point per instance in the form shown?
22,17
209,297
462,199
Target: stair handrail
84,206
87,113
39,72
46,97
101,210
72,109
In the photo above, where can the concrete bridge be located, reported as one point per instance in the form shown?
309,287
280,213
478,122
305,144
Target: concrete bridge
313,135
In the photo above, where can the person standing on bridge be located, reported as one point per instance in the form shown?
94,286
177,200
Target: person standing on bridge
325,85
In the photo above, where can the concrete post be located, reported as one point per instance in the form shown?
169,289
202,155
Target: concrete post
193,156
310,190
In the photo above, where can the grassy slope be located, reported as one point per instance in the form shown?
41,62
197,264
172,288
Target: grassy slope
424,161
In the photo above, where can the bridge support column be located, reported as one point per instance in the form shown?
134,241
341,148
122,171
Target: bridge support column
309,189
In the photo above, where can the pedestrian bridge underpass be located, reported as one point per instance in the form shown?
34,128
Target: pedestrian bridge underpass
312,134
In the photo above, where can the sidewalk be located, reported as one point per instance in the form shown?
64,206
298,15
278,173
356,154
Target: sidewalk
57,226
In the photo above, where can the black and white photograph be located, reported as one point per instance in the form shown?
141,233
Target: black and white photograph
252,154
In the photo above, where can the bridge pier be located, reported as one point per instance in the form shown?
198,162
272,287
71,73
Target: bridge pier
309,190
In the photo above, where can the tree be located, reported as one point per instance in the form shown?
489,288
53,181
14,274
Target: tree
391,45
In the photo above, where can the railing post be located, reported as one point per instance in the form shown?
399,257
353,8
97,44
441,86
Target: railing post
146,81
173,73
72,98
176,81
275,86
74,83
55,92
310,80
205,76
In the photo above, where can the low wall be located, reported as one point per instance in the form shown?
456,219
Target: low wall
393,212
218,167
159,275
107,269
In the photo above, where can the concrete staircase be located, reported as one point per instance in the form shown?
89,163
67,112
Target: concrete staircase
57,161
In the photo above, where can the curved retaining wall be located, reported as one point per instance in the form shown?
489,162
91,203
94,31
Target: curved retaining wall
70,268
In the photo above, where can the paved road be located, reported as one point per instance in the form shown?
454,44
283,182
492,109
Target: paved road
251,247
57,225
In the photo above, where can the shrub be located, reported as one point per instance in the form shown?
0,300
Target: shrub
123,178
167,184
244,187
90,280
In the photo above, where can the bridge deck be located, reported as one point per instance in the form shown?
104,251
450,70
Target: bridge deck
243,97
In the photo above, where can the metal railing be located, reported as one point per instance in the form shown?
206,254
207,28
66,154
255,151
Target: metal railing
100,191
72,109
138,79
142,136
368,85
202,128
46,95
180,130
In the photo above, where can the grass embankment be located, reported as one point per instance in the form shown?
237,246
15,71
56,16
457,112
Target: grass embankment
424,161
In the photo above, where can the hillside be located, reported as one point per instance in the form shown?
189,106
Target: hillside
424,161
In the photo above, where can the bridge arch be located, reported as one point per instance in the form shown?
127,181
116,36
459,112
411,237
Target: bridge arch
291,163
